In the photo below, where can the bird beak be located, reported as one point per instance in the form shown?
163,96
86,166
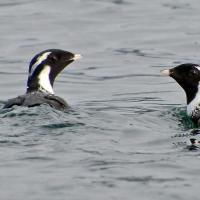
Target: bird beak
166,72
77,56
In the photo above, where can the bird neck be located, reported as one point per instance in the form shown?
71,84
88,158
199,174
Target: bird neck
41,81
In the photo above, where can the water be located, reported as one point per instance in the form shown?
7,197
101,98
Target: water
126,133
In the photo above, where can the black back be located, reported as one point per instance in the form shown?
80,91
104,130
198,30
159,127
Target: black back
37,98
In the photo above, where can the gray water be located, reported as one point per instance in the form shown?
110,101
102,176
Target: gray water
126,133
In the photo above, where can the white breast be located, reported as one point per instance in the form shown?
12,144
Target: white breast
44,79
195,103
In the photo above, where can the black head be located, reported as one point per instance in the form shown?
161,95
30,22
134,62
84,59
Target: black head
187,76
45,66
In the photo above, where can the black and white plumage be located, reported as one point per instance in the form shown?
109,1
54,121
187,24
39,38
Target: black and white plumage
43,69
188,77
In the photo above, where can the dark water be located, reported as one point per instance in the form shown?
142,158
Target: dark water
126,134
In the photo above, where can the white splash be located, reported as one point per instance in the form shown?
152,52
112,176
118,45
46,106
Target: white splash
44,80
40,59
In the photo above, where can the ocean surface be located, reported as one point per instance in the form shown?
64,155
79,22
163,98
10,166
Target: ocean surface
126,134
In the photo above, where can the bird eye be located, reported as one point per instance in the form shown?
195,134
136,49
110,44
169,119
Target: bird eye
54,58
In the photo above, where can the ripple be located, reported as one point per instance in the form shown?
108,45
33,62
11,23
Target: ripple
179,115
10,115
143,53
36,158
10,4
176,5
62,125
8,142
117,2
120,2
147,179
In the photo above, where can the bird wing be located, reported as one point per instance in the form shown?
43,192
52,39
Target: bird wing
56,102
15,101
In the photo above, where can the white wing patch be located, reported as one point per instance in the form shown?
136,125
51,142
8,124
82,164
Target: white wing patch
44,81
40,59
